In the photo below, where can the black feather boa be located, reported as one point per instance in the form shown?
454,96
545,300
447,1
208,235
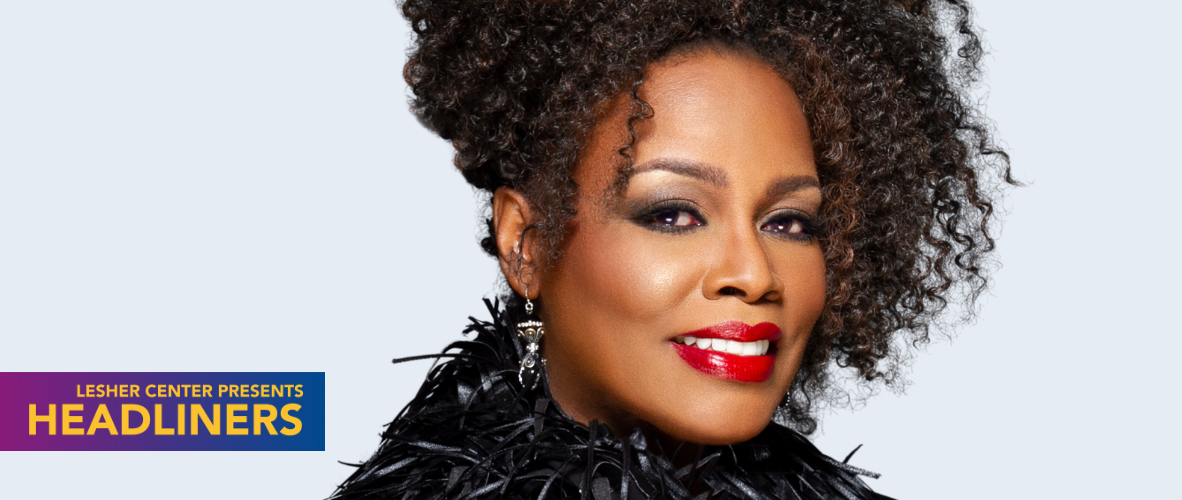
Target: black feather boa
472,432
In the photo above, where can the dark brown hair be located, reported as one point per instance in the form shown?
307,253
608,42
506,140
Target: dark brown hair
908,167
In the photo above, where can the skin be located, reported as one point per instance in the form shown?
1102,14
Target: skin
711,227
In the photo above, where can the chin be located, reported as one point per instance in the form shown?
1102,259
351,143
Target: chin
719,421
729,431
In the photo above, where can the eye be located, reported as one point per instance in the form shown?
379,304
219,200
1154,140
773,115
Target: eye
789,225
670,216
675,218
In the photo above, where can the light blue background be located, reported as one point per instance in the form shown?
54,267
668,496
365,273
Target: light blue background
238,186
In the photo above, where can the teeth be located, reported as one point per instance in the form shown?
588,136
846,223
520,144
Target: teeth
756,348
734,347
749,348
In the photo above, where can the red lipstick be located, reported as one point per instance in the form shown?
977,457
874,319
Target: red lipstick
751,367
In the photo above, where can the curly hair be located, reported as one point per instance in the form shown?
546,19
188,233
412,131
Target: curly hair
908,166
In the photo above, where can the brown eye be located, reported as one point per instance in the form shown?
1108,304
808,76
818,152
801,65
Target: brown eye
792,226
789,226
672,217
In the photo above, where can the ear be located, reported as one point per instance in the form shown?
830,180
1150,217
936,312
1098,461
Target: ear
513,223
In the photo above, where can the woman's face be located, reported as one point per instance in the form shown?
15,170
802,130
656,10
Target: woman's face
683,302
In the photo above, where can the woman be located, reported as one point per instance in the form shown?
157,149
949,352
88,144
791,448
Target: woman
704,211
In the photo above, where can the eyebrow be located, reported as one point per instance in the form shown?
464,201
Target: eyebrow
716,177
689,168
789,185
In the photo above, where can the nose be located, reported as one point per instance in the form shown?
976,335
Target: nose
741,268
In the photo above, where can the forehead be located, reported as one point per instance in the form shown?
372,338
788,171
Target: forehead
716,107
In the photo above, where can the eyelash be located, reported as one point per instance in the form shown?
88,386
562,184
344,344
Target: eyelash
789,219
665,215
652,217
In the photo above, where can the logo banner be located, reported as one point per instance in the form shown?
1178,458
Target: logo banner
134,411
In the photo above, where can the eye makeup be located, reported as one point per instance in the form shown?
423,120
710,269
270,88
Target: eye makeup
679,216
791,224
668,216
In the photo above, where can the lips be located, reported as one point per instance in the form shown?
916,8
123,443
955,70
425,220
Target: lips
731,351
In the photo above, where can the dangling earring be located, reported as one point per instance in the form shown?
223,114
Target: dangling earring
531,330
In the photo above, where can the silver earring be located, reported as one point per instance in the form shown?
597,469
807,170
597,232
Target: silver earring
531,331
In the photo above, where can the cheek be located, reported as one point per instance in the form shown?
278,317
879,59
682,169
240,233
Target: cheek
803,273
629,274
609,305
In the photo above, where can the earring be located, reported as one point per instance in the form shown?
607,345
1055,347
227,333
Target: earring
531,330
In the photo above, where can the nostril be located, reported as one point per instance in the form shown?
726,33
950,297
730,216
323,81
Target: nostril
730,290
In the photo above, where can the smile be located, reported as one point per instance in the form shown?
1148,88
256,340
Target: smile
731,351
756,348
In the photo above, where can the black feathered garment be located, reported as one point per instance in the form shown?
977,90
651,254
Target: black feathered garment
473,432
